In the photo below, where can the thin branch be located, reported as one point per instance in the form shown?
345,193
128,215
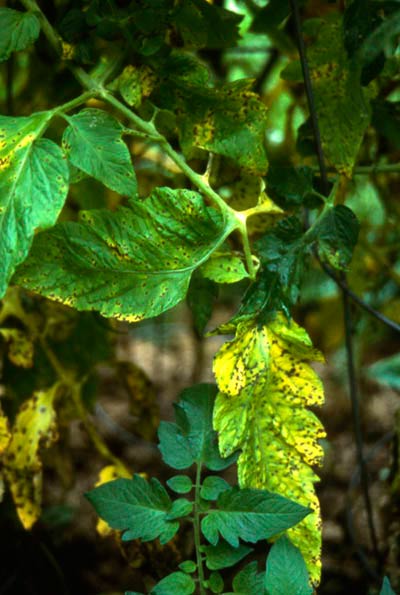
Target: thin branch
348,323
364,170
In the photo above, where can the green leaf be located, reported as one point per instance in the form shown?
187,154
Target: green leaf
200,298
93,142
224,267
269,17
174,446
250,515
224,555
136,506
177,582
33,187
194,414
180,508
289,186
386,587
386,371
188,566
181,484
382,38
336,235
212,487
215,582
286,571
18,30
131,264
204,25
248,581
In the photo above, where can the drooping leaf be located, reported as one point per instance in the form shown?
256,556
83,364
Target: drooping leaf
33,187
386,371
136,506
386,587
286,571
265,384
130,264
34,428
93,142
223,555
336,236
177,582
342,104
135,84
18,30
200,298
191,439
188,566
251,515
108,473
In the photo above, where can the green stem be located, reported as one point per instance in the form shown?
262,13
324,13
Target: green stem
247,251
69,105
364,170
52,36
196,529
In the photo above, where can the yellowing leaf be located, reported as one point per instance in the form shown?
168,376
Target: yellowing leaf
109,473
34,427
5,435
20,347
265,384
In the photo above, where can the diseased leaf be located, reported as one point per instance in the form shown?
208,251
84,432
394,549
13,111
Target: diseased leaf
135,84
286,571
138,507
93,142
336,236
34,428
223,555
130,264
265,383
342,104
224,267
33,187
251,515
18,30
5,435
20,347
177,582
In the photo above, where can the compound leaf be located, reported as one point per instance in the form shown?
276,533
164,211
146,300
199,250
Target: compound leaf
34,427
265,384
286,571
130,264
93,142
136,506
251,515
18,30
33,187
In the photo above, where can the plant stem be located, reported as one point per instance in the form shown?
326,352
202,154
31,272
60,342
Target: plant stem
360,170
69,105
196,529
52,36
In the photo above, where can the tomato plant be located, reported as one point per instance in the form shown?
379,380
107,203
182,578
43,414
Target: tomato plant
158,151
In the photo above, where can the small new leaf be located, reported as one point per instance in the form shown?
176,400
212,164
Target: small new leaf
286,571
250,515
181,484
136,506
177,582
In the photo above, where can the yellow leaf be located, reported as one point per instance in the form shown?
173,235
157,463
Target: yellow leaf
5,435
20,347
109,473
34,427
266,383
